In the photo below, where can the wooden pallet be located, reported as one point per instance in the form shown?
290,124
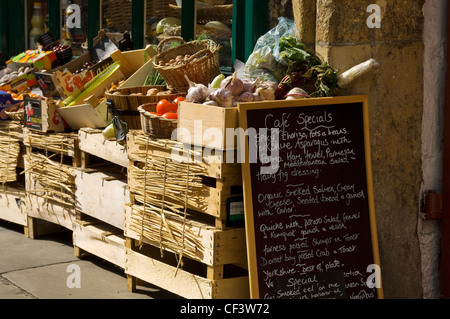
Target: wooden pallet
211,184
99,239
193,280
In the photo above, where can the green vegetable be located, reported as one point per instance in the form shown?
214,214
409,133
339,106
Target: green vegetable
215,84
326,79
293,50
154,78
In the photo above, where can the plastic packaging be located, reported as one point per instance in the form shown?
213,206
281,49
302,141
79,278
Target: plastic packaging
265,61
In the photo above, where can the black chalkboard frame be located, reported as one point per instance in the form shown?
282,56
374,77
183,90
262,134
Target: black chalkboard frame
247,178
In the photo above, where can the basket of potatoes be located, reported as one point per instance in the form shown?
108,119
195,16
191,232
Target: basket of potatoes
198,59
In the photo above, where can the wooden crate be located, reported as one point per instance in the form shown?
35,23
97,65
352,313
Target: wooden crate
211,184
102,193
208,126
12,204
99,239
50,196
92,143
203,242
53,145
192,281
11,150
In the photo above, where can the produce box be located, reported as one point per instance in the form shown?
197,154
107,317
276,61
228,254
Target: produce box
75,74
43,115
206,125
39,60
21,82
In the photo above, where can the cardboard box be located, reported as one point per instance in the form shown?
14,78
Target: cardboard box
39,60
43,115
93,113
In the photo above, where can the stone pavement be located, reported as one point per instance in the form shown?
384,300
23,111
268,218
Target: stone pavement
41,269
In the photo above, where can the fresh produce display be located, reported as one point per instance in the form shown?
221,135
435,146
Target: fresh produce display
86,66
229,91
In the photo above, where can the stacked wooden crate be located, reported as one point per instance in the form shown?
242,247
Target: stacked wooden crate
175,227
12,192
50,168
102,193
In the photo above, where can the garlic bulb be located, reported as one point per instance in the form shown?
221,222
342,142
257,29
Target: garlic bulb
233,84
222,97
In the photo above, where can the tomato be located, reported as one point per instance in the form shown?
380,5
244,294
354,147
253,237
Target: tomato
178,100
171,116
165,106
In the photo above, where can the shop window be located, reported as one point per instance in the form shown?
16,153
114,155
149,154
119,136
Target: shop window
116,15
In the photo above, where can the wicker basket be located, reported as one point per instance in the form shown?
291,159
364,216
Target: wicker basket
153,125
125,106
202,67
17,116
123,98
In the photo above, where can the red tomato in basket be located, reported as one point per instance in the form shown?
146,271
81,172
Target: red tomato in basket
170,116
178,100
165,106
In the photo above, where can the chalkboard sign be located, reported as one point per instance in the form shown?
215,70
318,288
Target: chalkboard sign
309,209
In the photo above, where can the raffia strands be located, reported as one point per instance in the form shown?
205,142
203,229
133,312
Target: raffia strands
9,151
59,143
164,144
52,180
166,229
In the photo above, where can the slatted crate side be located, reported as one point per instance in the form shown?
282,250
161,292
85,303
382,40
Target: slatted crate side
102,194
50,193
214,163
53,144
197,195
192,280
101,240
11,137
12,204
92,142
202,242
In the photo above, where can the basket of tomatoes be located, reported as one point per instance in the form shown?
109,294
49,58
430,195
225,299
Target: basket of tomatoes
160,119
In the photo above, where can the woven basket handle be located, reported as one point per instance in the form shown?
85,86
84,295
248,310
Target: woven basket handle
206,52
160,47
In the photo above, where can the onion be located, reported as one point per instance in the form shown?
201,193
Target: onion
297,93
233,84
266,93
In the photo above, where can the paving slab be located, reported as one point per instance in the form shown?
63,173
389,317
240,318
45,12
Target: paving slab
19,252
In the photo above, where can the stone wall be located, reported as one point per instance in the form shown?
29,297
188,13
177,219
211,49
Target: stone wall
343,38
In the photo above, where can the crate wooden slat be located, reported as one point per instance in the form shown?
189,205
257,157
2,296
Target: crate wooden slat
212,246
63,144
102,194
55,204
92,142
187,283
12,204
101,240
11,137
209,182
